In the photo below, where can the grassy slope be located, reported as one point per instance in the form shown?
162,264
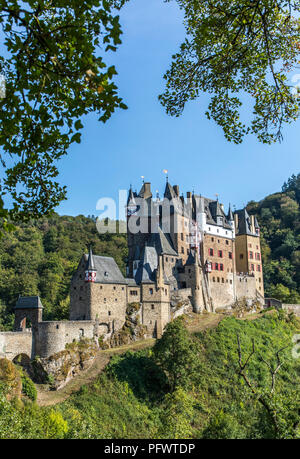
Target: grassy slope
126,401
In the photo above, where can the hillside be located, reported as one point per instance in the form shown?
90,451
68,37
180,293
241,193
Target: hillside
132,397
39,257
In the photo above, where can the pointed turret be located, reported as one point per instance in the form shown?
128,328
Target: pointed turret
197,288
91,271
160,273
230,216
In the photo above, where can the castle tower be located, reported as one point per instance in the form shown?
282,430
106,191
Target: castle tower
197,296
139,208
91,271
248,251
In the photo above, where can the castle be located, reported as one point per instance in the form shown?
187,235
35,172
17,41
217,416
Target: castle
182,253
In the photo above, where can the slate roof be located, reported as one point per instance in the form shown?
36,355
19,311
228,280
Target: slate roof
107,269
29,302
244,223
162,243
147,266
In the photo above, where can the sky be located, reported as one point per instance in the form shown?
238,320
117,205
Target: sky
144,140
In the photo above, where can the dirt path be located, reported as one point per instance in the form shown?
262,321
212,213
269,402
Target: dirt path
47,398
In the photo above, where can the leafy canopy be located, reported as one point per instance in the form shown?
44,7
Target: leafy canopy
235,48
55,74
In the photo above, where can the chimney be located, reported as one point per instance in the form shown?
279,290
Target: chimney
176,189
189,195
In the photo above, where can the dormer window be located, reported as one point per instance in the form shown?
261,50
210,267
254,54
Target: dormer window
106,274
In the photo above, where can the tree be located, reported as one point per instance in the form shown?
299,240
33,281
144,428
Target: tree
176,354
54,75
176,417
235,48
282,411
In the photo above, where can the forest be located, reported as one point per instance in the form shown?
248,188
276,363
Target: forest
40,256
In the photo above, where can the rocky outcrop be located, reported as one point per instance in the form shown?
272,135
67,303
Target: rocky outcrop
132,330
60,368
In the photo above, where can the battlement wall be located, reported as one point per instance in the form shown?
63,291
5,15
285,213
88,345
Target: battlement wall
16,343
52,337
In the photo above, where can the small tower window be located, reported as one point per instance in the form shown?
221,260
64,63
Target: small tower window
151,291
152,306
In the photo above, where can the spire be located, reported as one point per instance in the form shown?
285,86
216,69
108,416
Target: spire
91,271
91,264
230,214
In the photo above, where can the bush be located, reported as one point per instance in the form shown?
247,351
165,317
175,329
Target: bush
28,388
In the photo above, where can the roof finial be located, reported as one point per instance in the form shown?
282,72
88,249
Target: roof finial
143,178
165,171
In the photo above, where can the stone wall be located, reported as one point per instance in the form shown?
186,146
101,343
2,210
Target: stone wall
295,308
16,343
245,287
52,337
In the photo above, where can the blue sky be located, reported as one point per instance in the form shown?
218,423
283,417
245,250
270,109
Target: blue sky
143,140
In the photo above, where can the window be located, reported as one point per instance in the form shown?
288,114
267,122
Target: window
230,255
211,252
241,256
214,279
181,236
230,281
251,255
259,279
220,253
114,288
116,300
221,267
133,292
152,306
182,249
166,292
217,266
258,268
218,279
167,259
212,239
104,299
258,256
250,245
252,267
151,291
227,242
109,313
222,280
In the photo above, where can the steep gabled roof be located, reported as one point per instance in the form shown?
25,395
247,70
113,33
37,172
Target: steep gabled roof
244,223
147,266
162,243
